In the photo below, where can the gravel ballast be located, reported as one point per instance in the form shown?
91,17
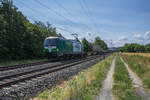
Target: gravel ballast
29,89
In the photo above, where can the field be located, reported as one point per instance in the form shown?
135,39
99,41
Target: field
140,64
138,54
122,88
83,86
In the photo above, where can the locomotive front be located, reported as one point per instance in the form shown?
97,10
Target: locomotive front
51,46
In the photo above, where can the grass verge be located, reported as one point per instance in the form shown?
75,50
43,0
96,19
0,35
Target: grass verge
140,65
83,86
15,62
122,87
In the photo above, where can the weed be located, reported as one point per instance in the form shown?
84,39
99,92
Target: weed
140,65
122,88
83,86
44,95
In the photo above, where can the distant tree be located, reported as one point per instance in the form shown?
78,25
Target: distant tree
121,49
100,42
76,39
139,48
87,46
132,47
147,48
59,35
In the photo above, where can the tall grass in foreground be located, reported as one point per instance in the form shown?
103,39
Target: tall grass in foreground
141,66
83,86
122,88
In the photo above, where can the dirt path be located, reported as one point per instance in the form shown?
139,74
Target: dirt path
137,83
106,90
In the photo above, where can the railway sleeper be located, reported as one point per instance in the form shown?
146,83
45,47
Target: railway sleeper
34,75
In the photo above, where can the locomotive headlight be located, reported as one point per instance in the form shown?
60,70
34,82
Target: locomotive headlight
57,49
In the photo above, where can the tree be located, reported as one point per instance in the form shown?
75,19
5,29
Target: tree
59,35
132,47
19,38
147,48
87,46
14,29
100,42
76,39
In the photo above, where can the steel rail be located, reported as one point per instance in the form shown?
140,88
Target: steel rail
20,77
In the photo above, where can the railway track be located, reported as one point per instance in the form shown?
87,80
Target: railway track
5,68
8,80
22,65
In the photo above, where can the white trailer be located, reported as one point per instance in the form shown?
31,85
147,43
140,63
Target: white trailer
77,47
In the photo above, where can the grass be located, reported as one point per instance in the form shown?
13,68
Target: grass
122,87
15,62
83,86
141,66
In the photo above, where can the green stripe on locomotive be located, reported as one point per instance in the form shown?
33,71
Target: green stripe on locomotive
46,50
65,46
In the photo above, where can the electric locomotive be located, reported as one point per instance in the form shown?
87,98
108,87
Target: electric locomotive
61,47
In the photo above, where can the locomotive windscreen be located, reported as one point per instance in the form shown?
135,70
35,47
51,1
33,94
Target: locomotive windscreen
50,42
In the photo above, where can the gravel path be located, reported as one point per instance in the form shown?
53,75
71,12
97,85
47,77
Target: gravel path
106,90
137,83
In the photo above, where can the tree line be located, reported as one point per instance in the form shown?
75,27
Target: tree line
21,39
88,46
135,47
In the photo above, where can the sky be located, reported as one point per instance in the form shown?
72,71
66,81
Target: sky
115,21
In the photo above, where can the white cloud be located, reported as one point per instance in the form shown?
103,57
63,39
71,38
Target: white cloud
120,41
147,35
138,36
142,38
123,38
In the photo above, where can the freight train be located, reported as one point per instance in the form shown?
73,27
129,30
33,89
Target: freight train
62,48
57,47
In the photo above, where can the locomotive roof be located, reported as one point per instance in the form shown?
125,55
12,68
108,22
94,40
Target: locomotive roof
74,41
51,37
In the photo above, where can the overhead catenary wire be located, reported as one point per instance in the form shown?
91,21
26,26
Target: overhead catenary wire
83,7
88,12
35,19
84,11
34,10
66,10
60,5
52,10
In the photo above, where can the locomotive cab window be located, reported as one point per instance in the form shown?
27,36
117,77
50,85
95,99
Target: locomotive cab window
51,42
